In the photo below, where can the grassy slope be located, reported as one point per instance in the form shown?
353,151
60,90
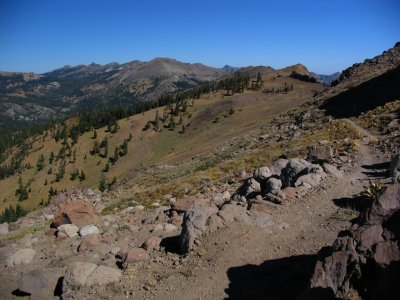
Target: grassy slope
146,148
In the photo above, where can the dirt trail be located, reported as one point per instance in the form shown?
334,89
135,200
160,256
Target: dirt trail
242,262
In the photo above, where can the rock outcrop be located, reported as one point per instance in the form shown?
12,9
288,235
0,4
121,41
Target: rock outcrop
364,262
270,182
194,224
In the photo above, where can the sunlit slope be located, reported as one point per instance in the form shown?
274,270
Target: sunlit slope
209,122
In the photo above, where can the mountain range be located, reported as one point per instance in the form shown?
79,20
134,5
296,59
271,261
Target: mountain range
27,97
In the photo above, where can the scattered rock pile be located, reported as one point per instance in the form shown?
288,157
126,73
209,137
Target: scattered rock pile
364,262
275,183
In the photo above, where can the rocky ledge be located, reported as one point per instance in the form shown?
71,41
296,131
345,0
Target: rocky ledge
363,262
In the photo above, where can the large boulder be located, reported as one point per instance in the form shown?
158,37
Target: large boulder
75,212
88,242
38,284
294,169
194,224
67,230
89,229
21,257
80,274
182,204
395,168
134,255
365,260
273,186
248,190
262,174
320,153
331,170
278,166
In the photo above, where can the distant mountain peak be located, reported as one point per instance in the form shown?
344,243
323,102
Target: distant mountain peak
326,79
230,69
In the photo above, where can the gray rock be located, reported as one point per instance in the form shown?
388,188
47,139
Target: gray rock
249,189
103,275
4,229
194,224
220,198
77,273
278,166
81,274
294,169
308,180
273,186
331,170
226,195
38,284
152,216
395,168
21,257
89,229
230,213
262,174
67,230
274,198
320,153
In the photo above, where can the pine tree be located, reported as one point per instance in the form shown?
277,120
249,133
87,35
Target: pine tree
124,148
82,177
96,148
40,163
74,175
115,157
52,192
51,158
259,80
102,184
21,191
113,181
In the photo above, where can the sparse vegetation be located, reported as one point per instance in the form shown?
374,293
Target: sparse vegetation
11,213
372,191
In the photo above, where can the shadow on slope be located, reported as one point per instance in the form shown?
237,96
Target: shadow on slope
357,203
284,278
377,171
366,96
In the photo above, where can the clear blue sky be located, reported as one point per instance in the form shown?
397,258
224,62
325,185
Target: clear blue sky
326,36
